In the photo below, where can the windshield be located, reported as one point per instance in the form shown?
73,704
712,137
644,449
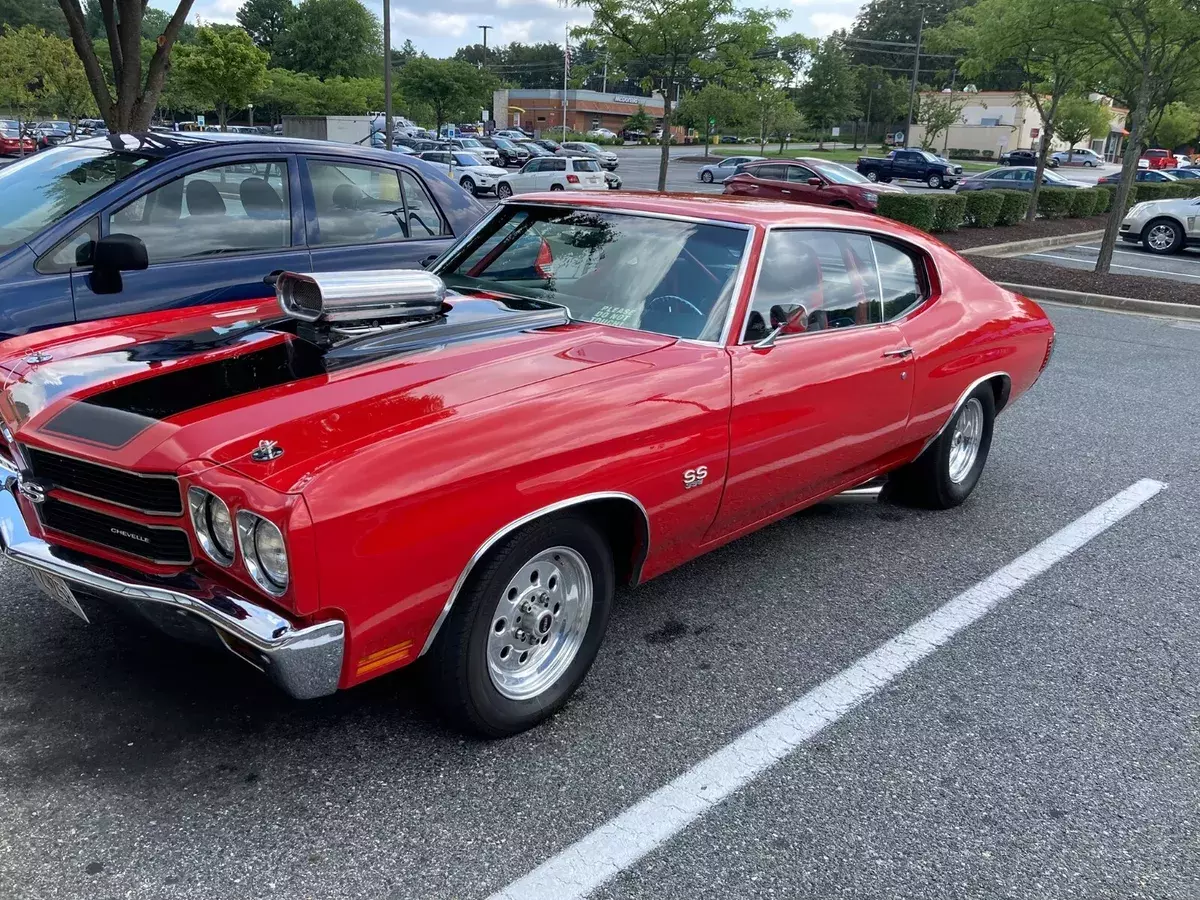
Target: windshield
503,142
657,275
467,159
470,142
590,148
839,174
1055,178
41,189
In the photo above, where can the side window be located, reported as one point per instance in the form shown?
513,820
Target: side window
770,173
558,165
73,251
814,281
421,215
235,208
902,277
356,204
533,167
799,174
1024,175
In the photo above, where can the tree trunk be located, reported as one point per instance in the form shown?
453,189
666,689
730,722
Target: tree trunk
1116,212
1047,137
707,137
222,114
666,137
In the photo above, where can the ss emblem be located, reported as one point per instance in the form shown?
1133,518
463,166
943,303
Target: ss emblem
694,477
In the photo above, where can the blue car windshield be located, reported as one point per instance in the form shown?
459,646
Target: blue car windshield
39,190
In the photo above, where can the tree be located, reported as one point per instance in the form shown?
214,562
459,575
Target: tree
710,110
42,14
266,21
936,114
452,88
1080,119
1178,125
665,40
765,105
640,120
1037,40
787,121
223,69
128,104
1144,42
827,96
24,85
880,98
332,37
69,94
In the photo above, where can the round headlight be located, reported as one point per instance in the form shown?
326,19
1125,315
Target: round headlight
220,525
213,525
271,553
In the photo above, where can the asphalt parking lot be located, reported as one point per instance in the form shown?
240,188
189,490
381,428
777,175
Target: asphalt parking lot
1049,749
1128,259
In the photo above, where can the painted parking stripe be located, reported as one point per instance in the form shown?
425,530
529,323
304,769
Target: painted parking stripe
1076,259
619,843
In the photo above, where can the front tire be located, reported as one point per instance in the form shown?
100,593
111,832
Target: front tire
945,474
526,628
872,176
934,181
1163,236
706,177
504,191
1053,163
468,185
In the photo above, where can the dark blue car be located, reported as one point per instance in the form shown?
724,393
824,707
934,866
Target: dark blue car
215,213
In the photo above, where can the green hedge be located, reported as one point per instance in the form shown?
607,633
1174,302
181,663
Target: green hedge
1054,203
916,210
1014,206
982,208
948,211
1083,203
1103,199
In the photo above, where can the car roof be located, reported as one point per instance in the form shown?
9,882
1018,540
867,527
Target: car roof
161,145
717,207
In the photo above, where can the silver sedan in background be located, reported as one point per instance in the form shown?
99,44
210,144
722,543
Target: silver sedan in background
1014,178
717,172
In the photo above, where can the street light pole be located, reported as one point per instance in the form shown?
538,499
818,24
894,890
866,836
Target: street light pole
912,91
387,74
485,29
251,108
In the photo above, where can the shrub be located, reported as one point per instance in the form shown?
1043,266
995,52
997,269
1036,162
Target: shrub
1054,203
948,211
982,209
1013,207
1083,203
916,210
1149,190
1104,197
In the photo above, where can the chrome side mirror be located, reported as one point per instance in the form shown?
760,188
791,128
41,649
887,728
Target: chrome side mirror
793,321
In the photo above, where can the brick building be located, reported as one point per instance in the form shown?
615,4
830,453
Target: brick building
541,110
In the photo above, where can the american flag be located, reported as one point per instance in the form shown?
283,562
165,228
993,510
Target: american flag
567,57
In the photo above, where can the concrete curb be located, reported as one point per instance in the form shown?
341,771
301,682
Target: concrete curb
1103,301
1019,248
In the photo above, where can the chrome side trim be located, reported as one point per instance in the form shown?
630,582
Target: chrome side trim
961,400
304,661
513,526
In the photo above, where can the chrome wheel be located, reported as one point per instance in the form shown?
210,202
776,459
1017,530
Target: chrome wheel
539,623
504,191
872,176
706,177
965,441
1161,237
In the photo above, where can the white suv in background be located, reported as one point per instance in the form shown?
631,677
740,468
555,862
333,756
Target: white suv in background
467,169
553,173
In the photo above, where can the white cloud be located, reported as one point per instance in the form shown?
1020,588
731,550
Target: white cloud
824,23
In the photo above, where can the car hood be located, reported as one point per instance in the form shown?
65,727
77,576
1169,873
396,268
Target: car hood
483,170
159,397
1188,206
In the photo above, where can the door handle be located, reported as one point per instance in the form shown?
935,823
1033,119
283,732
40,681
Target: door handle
900,352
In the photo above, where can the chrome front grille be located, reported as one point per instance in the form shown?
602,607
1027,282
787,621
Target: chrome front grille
160,544
153,494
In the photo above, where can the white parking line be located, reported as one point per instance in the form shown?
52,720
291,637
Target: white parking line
619,843
1076,259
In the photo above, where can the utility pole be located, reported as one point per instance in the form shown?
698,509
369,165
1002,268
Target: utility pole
604,84
912,91
387,74
485,29
566,71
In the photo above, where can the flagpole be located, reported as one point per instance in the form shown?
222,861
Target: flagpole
566,69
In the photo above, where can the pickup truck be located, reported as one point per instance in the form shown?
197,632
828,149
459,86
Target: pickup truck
913,165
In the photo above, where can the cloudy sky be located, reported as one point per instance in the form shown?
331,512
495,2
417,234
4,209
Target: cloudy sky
440,33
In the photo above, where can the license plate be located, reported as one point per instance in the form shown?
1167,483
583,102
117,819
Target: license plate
59,591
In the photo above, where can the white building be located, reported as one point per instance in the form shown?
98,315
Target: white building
992,122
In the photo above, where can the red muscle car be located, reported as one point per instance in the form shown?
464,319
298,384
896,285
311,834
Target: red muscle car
463,464
808,181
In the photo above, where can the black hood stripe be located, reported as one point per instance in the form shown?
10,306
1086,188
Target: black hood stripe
114,417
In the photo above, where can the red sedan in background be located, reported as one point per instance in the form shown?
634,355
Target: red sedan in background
587,390
809,180
11,143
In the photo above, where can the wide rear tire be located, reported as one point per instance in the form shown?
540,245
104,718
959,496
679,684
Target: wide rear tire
525,629
946,473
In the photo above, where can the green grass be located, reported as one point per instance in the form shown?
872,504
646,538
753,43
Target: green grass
842,156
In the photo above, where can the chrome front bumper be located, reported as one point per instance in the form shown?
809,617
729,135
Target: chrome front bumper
304,662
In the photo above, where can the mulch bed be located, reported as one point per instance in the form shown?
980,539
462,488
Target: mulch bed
966,238
1028,272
